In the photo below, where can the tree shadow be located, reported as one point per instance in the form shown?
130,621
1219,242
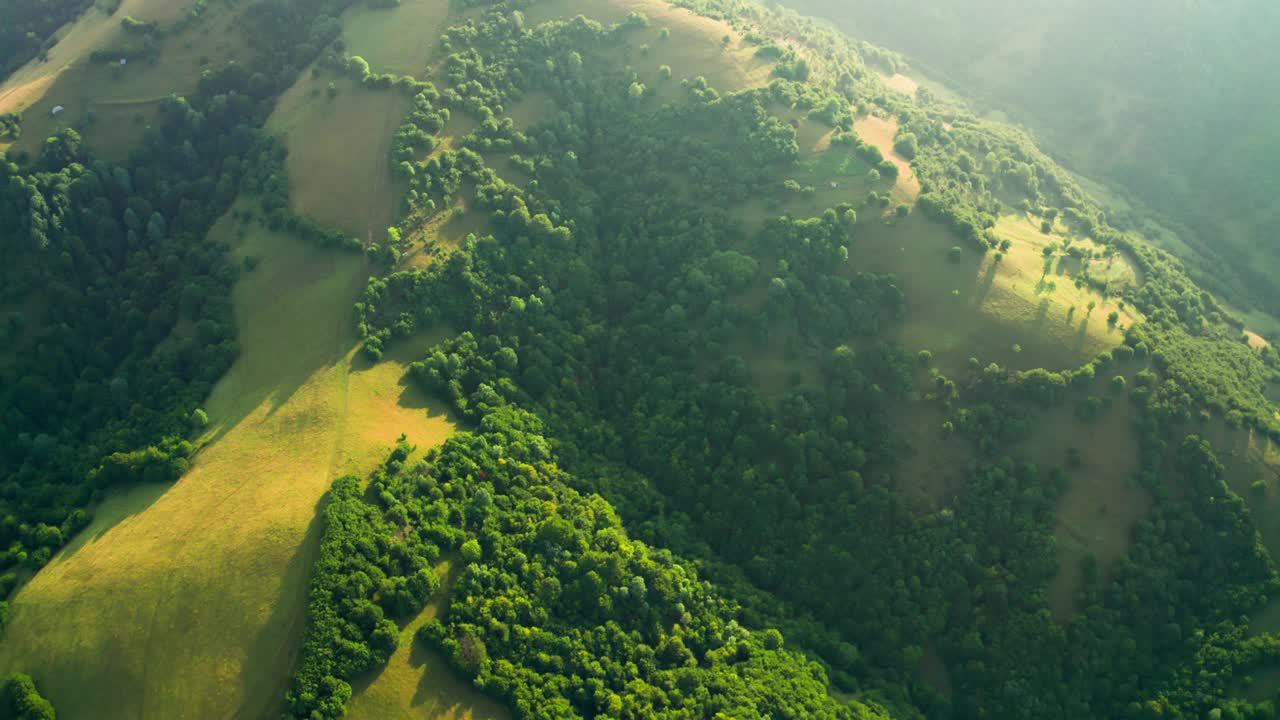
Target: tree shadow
982,286
1042,314
1082,334
118,505
271,659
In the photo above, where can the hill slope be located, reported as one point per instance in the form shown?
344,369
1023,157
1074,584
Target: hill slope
1155,97
772,392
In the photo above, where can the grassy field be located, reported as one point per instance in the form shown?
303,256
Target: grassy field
693,49
975,307
1103,502
881,133
933,469
399,40
901,83
111,104
416,683
191,604
339,152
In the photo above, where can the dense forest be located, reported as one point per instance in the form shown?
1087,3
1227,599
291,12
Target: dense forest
1162,103
633,520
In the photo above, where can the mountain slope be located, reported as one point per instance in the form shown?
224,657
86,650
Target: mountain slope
746,417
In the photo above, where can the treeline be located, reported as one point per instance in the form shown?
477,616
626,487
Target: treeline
27,28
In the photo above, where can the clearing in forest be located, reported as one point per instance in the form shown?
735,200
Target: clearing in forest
340,152
963,304
932,469
901,83
1103,501
108,103
881,132
417,682
398,40
192,604
695,47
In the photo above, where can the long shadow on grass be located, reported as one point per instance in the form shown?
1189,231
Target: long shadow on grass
982,287
121,505
268,671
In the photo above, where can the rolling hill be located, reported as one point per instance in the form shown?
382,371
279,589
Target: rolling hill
598,358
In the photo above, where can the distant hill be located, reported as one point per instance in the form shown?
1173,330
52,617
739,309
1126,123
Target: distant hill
1166,99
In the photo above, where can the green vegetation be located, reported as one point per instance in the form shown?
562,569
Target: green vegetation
672,270
28,27
21,700
1147,97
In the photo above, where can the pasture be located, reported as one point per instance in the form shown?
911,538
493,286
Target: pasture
695,47
901,83
1103,502
340,152
881,132
193,603
972,306
399,40
108,103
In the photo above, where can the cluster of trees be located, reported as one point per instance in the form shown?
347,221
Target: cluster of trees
21,700
417,134
373,570
556,610
11,125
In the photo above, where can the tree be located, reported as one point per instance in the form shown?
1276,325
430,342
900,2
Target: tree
23,700
907,145
358,67
471,551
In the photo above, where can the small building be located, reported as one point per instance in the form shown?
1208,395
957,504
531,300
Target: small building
124,61
58,110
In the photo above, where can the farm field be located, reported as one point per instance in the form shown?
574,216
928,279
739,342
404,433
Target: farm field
192,604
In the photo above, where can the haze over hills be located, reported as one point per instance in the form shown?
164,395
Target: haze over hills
599,358
1161,99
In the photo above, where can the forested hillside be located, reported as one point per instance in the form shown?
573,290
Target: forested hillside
1160,98
766,392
